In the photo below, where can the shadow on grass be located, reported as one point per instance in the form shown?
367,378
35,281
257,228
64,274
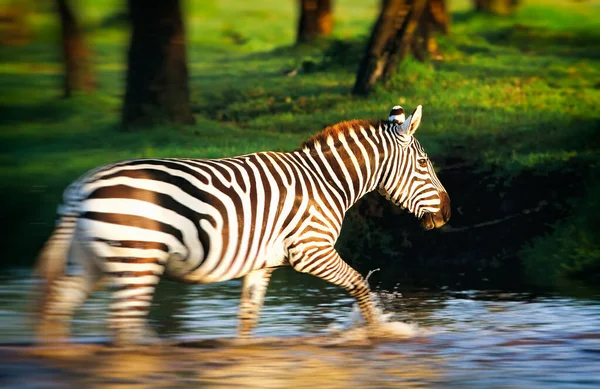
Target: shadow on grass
578,44
326,55
291,80
243,106
36,54
53,110
552,74
117,20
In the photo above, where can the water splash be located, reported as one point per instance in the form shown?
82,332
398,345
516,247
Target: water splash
354,328
388,328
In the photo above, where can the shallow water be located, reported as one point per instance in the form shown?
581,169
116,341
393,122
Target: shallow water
473,338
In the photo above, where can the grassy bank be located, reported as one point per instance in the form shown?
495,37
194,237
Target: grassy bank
510,93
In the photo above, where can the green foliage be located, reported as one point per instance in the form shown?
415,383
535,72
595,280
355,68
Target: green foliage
515,93
572,250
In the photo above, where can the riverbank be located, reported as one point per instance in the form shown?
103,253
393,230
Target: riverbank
512,102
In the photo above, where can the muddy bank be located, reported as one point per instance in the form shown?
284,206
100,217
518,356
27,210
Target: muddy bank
493,217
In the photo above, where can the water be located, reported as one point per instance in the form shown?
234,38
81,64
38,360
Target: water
472,339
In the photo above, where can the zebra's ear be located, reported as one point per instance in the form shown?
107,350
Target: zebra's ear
397,114
410,125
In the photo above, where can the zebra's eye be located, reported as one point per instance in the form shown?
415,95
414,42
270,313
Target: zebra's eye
422,162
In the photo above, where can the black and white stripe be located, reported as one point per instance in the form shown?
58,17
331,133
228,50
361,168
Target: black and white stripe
203,221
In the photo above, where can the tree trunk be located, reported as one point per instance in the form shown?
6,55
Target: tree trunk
498,7
392,36
435,17
440,18
315,20
157,74
405,36
76,56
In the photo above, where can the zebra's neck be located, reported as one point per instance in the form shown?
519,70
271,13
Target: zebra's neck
351,160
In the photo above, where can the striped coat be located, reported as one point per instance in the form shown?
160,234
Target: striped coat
203,221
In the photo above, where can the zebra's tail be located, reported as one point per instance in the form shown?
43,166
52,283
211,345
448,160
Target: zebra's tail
51,263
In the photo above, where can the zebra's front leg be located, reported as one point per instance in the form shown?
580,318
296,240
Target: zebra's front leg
254,288
326,263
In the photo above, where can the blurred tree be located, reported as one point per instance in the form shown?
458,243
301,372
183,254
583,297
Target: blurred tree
435,17
401,25
499,7
76,55
14,26
315,20
157,74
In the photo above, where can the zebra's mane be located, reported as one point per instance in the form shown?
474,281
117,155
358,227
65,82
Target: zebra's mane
333,130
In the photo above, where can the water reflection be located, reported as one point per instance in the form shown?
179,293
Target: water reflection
472,339
272,366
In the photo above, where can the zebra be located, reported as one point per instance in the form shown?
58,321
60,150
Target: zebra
210,220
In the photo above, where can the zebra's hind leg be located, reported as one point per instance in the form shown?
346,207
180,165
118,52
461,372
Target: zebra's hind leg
254,288
66,294
327,264
134,281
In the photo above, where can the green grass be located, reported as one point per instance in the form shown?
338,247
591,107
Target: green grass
518,92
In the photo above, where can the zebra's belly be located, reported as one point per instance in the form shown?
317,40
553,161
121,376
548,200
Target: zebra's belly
227,269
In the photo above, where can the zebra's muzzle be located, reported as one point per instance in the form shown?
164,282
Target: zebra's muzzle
431,220
427,221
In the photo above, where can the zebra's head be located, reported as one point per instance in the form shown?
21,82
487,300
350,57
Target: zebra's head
410,180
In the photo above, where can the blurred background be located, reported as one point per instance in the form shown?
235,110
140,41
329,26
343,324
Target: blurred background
510,91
